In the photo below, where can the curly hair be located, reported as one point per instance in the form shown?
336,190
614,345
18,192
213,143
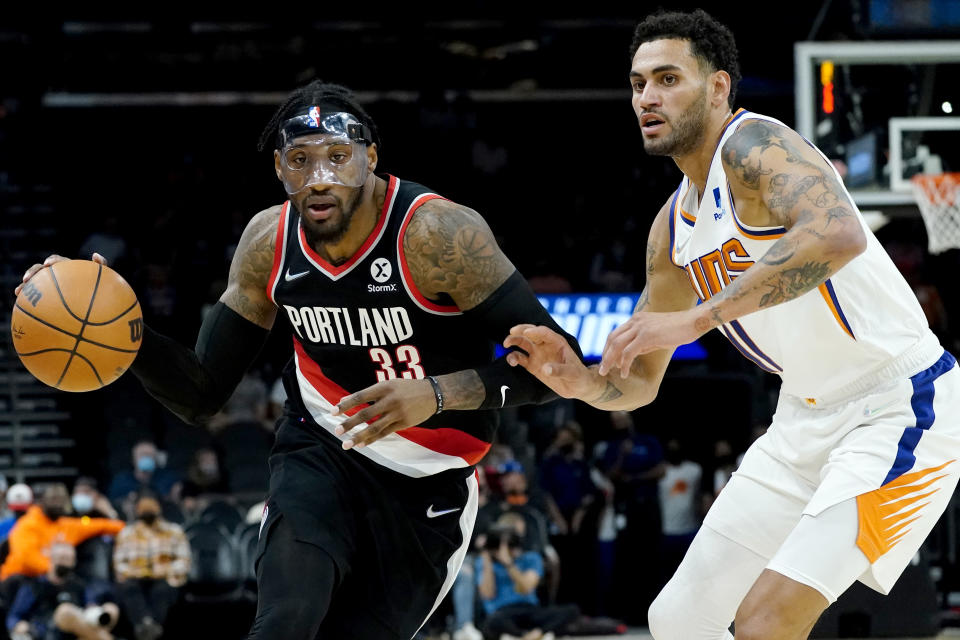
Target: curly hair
317,92
711,42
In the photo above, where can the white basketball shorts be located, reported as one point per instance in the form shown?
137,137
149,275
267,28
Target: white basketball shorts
831,495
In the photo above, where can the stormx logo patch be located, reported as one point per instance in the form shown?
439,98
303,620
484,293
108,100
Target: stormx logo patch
381,270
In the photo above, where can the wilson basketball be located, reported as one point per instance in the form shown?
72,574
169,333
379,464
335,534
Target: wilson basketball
77,325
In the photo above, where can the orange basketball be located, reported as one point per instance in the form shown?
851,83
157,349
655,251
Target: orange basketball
77,325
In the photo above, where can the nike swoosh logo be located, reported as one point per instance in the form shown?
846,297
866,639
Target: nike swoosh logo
433,514
293,276
869,412
503,395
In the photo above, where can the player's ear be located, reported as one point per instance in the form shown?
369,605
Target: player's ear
372,156
719,88
276,164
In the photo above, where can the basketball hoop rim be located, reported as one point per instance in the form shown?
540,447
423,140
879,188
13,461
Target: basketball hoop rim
936,188
928,179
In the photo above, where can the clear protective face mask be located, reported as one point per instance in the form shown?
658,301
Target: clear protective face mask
323,149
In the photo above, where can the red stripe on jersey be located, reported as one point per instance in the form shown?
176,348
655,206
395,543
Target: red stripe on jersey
362,251
407,276
450,442
278,251
326,387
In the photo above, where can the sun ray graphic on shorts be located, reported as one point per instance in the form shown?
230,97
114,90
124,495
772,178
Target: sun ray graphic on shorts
885,514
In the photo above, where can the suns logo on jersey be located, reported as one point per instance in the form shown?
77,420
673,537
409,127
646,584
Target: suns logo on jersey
314,115
711,272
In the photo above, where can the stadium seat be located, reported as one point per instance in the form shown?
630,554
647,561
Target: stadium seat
222,513
215,571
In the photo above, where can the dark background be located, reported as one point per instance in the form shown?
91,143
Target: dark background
522,114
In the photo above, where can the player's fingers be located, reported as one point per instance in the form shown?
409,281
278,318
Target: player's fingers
538,333
629,354
29,273
99,259
369,395
382,426
519,342
617,341
609,357
515,358
518,329
615,336
32,271
367,414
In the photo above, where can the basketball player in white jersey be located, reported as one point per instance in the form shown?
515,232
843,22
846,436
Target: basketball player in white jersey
861,457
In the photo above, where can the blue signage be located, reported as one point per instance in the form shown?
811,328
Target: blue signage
590,317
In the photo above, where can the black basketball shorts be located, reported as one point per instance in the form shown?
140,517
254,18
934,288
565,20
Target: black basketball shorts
397,541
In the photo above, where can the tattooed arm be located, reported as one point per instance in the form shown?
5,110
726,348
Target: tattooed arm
667,290
252,262
450,250
776,179
783,181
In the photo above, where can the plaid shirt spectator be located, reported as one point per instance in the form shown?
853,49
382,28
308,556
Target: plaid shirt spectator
159,551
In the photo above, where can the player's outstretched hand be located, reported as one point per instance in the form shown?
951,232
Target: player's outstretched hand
644,332
35,269
386,407
549,358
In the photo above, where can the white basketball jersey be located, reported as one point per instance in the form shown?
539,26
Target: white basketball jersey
859,328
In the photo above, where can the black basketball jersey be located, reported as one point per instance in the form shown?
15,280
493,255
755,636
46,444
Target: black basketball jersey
364,321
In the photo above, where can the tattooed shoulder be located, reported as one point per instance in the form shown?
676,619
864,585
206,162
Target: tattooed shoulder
450,250
251,267
743,150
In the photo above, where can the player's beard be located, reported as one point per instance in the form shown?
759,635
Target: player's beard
686,133
333,230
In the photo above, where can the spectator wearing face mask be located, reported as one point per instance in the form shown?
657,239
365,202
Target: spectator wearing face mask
151,561
55,604
147,473
88,501
44,524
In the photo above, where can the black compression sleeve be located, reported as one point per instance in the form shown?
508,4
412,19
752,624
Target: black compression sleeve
194,384
511,304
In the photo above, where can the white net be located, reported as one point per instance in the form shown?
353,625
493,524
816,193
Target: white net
938,197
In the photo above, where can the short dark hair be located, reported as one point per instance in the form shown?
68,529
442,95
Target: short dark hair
317,92
711,42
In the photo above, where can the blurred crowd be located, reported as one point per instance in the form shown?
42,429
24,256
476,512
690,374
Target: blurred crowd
573,537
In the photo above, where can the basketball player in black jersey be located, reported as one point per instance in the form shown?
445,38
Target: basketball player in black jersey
395,297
